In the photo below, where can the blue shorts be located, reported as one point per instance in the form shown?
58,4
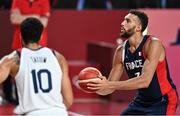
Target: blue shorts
165,105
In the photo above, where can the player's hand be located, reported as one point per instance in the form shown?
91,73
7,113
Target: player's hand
100,84
16,13
15,16
102,78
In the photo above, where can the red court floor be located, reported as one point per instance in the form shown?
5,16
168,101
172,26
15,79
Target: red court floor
85,107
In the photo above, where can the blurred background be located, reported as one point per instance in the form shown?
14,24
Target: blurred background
86,32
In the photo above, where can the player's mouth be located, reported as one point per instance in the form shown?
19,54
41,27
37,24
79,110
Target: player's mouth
122,30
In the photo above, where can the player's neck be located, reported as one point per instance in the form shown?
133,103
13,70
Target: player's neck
32,46
135,40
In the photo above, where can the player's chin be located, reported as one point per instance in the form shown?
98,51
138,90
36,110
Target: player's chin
121,33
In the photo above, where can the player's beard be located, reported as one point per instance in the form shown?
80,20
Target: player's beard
127,33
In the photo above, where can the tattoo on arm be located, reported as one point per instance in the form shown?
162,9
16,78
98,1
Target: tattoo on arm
16,59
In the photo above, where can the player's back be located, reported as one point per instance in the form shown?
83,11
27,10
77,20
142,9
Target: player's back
39,82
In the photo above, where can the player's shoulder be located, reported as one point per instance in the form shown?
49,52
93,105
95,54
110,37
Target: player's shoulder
120,50
13,55
55,52
153,40
58,55
121,46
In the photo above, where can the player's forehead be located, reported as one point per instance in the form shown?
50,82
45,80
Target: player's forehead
131,17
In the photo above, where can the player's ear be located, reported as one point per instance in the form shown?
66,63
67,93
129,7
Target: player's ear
139,28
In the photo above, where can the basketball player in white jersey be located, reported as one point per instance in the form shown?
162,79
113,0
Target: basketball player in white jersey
40,73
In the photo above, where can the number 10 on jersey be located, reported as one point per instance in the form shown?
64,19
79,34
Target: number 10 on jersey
37,80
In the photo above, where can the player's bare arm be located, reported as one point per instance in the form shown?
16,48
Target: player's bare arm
17,18
116,71
6,65
117,67
154,53
44,20
66,85
15,66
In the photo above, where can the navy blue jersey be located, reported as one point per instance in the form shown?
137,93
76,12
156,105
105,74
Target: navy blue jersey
161,82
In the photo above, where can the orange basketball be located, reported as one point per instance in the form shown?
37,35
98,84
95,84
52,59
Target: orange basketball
87,74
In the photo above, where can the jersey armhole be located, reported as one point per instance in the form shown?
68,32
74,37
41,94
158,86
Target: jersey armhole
18,51
123,51
53,51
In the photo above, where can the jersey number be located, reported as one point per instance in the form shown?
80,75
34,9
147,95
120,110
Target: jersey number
37,80
137,74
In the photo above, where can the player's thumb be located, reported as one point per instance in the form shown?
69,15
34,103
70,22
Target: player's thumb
102,77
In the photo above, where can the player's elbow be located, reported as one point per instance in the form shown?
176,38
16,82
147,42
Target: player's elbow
68,105
14,20
145,83
68,102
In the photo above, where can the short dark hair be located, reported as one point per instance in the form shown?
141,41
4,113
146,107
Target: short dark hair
31,30
142,17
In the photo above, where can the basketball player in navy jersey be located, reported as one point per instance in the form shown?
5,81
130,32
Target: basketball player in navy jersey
144,59
41,74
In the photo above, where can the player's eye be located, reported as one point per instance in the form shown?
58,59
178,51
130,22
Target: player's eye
128,20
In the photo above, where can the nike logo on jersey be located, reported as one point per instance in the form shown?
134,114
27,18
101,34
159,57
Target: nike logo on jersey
134,64
39,59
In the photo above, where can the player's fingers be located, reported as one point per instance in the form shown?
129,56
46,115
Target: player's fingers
93,80
102,77
93,88
92,85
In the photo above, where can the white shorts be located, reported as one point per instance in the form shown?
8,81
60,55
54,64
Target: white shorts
49,112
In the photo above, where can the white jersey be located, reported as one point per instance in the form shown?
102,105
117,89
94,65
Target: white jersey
39,82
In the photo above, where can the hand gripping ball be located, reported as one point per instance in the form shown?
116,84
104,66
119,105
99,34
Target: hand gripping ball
86,75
